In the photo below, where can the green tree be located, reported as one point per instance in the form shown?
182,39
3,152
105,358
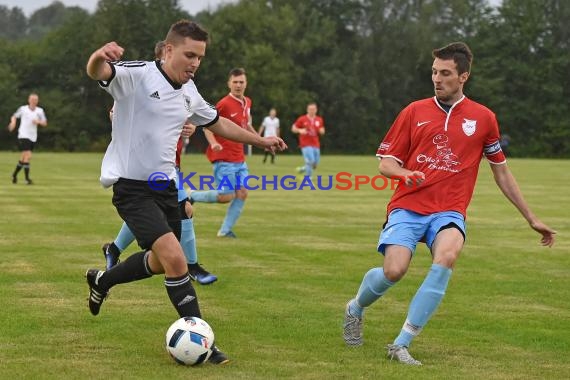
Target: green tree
13,23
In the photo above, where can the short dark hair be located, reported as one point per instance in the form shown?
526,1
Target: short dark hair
185,28
159,49
236,72
459,52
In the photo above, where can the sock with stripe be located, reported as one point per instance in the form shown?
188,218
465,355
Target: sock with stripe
134,268
183,296
425,302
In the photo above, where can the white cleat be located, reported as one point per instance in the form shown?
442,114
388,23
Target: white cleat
401,354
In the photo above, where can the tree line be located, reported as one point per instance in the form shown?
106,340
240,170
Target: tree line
362,61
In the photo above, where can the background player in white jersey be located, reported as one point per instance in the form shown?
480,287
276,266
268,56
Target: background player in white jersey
270,127
30,117
139,162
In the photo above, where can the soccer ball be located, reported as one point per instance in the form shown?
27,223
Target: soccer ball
189,341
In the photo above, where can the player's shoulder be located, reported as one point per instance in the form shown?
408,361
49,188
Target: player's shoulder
478,108
426,102
190,87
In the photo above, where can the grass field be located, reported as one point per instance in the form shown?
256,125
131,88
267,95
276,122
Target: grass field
278,306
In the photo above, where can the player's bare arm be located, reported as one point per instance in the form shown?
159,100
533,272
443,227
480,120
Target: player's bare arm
228,129
299,131
97,67
41,123
188,130
12,124
211,138
508,185
391,168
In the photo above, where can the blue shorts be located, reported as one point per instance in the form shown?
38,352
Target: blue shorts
230,176
311,155
407,228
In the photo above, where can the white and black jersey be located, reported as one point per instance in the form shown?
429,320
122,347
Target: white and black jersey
148,116
28,129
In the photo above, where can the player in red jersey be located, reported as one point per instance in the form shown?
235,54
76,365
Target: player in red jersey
227,157
435,147
309,127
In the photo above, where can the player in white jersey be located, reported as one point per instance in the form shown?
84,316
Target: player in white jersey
125,237
30,117
152,102
270,127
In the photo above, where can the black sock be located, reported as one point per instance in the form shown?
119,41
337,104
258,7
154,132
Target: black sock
134,268
183,296
18,168
27,170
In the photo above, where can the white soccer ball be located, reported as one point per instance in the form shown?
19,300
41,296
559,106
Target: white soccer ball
189,341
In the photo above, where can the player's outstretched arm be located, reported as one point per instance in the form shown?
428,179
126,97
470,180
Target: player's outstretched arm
391,168
228,129
97,67
508,185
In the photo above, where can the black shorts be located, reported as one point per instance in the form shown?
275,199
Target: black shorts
148,213
25,144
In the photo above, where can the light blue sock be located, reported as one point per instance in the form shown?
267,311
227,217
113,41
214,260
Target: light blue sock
424,303
188,241
374,285
308,169
232,215
208,196
124,238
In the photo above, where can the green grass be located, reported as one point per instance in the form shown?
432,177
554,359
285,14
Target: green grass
277,308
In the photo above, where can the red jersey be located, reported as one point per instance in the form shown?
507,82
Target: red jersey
239,112
312,126
179,147
447,147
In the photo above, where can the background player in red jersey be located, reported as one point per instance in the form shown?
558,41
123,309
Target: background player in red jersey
435,145
309,127
227,156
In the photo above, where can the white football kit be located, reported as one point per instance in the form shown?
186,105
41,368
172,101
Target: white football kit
148,116
27,129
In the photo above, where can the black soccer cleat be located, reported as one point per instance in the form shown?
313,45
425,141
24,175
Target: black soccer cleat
218,357
96,294
201,275
14,179
29,181
111,253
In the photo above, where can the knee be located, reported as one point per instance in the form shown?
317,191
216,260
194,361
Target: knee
394,273
225,198
241,194
446,258
188,209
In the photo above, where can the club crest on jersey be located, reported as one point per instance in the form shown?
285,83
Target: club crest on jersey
187,103
469,126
